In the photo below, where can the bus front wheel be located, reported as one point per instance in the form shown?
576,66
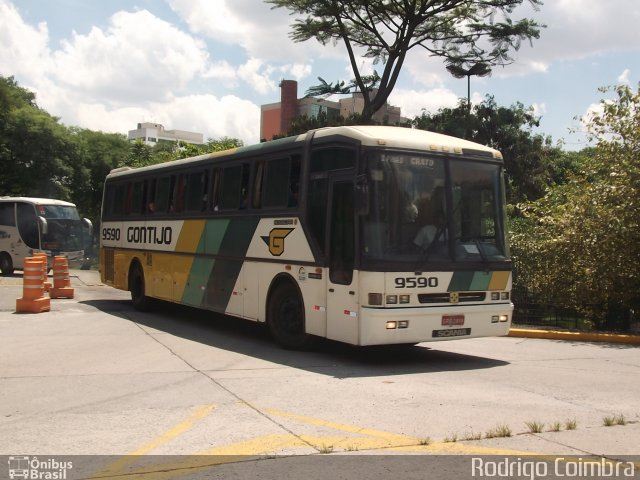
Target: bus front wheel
6,264
136,286
286,318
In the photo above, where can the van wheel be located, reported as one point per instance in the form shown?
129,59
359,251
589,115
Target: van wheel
136,286
6,264
286,318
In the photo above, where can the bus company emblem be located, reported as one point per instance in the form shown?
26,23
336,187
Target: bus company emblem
275,240
454,297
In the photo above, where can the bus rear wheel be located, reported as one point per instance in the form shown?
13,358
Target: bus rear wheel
136,286
286,318
6,264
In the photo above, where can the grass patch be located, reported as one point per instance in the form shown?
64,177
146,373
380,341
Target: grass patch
615,420
571,424
326,449
500,431
451,439
555,427
535,427
425,441
473,436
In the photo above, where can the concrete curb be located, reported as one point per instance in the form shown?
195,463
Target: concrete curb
575,336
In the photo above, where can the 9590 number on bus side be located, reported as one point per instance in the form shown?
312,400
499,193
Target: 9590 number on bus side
416,282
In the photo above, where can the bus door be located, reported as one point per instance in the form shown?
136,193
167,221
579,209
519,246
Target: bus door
342,298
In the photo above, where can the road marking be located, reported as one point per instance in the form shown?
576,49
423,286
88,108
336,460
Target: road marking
361,438
117,468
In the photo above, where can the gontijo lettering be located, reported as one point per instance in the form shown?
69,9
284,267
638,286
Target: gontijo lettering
151,234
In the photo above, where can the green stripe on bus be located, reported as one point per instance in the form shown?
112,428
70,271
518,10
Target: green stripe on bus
461,281
232,248
470,281
212,236
480,281
195,289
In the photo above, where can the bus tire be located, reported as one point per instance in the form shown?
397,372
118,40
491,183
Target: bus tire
137,288
286,318
6,264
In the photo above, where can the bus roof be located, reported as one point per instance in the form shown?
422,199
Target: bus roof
368,135
37,201
400,137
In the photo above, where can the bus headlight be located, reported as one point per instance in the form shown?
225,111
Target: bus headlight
392,299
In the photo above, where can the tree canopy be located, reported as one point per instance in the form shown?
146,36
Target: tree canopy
529,157
40,157
579,246
461,32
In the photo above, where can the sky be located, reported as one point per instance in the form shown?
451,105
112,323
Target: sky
207,65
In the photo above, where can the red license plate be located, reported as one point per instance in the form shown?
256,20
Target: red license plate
448,320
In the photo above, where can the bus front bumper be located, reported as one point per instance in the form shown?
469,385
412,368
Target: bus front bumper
382,326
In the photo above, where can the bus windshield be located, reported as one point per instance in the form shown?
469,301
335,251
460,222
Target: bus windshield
64,228
427,209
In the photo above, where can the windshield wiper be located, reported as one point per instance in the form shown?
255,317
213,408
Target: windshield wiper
483,254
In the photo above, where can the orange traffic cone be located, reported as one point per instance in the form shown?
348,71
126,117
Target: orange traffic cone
61,283
45,268
33,299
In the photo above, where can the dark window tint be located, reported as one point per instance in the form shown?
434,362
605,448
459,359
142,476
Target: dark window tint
276,180
28,225
333,158
7,216
119,199
195,197
137,198
235,187
164,190
318,210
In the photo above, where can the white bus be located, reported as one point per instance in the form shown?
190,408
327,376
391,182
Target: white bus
366,234
30,225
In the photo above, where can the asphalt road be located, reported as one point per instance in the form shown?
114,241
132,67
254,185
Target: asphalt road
93,377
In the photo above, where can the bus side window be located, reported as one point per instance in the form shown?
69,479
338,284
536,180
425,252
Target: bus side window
164,191
179,193
277,190
136,206
230,187
28,225
7,214
195,191
215,189
258,180
151,196
119,199
235,187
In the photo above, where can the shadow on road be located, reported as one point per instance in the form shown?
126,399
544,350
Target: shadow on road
328,357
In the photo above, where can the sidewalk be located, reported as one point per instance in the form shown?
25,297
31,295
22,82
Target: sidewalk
575,336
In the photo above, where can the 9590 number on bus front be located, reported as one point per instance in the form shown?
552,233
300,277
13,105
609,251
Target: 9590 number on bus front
416,282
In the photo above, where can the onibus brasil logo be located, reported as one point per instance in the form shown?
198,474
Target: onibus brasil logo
37,469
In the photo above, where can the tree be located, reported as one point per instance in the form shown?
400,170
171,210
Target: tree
35,149
579,246
459,31
97,153
529,157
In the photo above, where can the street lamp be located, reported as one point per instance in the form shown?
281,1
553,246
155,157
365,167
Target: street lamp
479,69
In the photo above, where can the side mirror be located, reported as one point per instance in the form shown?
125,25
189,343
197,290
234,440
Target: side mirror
88,225
362,195
44,225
